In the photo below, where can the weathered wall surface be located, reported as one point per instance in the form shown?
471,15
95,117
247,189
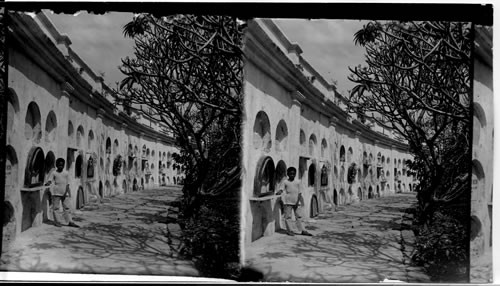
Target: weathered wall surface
482,150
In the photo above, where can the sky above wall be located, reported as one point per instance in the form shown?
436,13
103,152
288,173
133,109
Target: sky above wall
98,40
327,44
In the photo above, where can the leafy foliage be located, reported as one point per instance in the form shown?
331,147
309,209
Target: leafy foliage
187,74
213,238
417,82
440,251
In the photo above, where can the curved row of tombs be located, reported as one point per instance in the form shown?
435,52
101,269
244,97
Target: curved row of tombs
295,118
57,107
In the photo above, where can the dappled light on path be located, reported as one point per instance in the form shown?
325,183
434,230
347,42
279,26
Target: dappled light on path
358,243
126,234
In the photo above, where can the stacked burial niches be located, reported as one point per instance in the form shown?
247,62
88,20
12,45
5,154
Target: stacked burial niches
294,118
482,148
58,108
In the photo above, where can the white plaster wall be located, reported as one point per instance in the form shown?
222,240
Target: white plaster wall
31,83
481,196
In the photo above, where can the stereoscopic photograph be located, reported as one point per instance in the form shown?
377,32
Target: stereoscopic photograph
248,144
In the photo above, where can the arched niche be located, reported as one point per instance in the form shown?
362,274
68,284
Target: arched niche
335,174
50,164
51,127
351,173
477,187
130,150
108,145
342,153
101,164
115,147
280,173
101,189
324,176
324,147
302,139
71,130
342,174
135,187
262,132
311,175
108,166
12,109
79,166
342,197
480,114
90,143
80,198
35,168
281,139
124,186
107,189
312,145
264,177
11,169
349,154
475,227
33,124
90,167
80,136
115,186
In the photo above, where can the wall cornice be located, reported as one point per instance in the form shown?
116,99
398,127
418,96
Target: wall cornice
27,37
270,59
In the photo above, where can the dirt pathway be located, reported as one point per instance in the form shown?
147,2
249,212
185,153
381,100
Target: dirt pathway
126,234
357,243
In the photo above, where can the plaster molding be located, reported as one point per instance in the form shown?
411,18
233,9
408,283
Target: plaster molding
67,88
100,113
333,121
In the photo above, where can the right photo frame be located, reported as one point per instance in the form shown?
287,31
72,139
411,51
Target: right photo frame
367,150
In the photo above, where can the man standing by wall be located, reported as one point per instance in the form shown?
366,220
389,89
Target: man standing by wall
61,193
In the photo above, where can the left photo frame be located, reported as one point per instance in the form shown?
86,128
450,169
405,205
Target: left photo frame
122,143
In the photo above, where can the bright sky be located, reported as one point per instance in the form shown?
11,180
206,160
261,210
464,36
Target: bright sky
98,40
327,44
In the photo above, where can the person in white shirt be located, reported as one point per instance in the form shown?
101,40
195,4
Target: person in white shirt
61,193
293,201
